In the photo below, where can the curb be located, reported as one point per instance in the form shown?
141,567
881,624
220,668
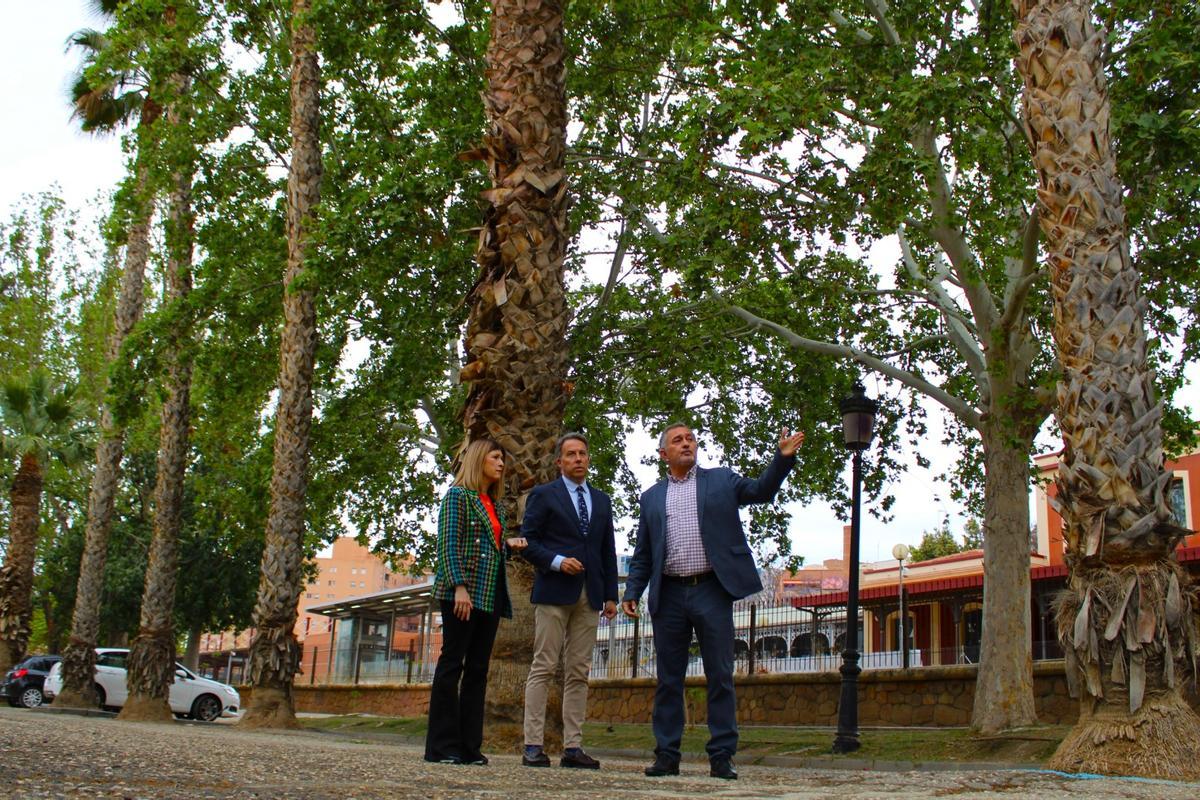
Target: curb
747,757
75,712
758,758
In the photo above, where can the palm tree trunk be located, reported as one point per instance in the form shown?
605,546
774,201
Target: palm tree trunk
16,576
516,333
1126,621
274,651
152,658
79,657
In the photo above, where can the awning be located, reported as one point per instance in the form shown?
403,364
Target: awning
406,601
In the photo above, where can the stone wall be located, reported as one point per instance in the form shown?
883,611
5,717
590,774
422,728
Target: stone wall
403,700
929,696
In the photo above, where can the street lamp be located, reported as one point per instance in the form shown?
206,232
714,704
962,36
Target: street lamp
858,424
900,552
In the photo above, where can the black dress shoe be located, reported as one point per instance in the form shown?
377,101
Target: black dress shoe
540,759
663,765
577,759
722,768
478,760
443,759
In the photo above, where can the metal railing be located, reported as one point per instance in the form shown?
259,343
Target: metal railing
767,640
771,640
321,666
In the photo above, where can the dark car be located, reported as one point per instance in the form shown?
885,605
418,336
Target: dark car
23,683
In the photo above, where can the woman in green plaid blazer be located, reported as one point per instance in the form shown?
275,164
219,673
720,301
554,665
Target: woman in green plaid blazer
470,586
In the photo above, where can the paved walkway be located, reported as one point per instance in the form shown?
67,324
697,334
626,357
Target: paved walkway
47,755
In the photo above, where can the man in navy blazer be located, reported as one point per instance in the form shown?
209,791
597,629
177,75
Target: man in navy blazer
569,529
692,555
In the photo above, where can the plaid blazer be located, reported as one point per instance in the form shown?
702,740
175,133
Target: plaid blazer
467,553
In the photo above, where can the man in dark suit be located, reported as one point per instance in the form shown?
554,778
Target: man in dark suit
693,556
569,529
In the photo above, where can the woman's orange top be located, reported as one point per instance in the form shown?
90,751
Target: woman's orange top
491,510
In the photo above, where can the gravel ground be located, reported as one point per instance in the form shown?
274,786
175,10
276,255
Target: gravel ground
49,755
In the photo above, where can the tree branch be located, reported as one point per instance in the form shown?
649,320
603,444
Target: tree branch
961,331
878,10
1021,279
839,19
964,412
951,239
430,410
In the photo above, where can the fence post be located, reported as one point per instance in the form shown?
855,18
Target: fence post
635,651
312,677
753,621
411,657
332,650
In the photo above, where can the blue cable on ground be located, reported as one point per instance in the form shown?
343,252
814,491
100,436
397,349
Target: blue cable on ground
1091,776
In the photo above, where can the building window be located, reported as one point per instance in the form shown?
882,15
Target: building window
1178,498
333,569
333,583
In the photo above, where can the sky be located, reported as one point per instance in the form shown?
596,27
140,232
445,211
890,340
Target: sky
42,148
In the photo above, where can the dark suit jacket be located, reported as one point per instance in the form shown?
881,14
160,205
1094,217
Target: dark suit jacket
719,494
551,526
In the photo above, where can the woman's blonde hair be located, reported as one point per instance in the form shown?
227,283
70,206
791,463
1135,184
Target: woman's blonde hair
470,467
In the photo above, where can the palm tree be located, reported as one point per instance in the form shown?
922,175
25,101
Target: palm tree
516,333
105,105
38,421
1126,620
274,651
152,656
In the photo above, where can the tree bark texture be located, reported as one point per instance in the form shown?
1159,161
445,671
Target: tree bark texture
274,651
16,576
1004,686
1127,620
516,344
79,656
151,669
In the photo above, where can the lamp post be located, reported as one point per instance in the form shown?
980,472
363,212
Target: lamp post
229,667
858,423
900,552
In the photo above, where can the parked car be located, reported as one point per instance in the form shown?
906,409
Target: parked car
23,684
191,696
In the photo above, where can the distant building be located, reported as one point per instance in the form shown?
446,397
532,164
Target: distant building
350,570
944,596
833,574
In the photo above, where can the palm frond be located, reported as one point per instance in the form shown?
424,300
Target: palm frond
89,40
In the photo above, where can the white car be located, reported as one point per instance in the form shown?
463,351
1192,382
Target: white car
190,696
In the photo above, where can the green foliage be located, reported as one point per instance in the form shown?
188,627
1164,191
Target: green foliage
942,542
763,155
42,420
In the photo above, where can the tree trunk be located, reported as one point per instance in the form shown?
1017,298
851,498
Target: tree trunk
516,333
191,655
1127,619
274,651
79,657
151,669
1004,686
16,576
